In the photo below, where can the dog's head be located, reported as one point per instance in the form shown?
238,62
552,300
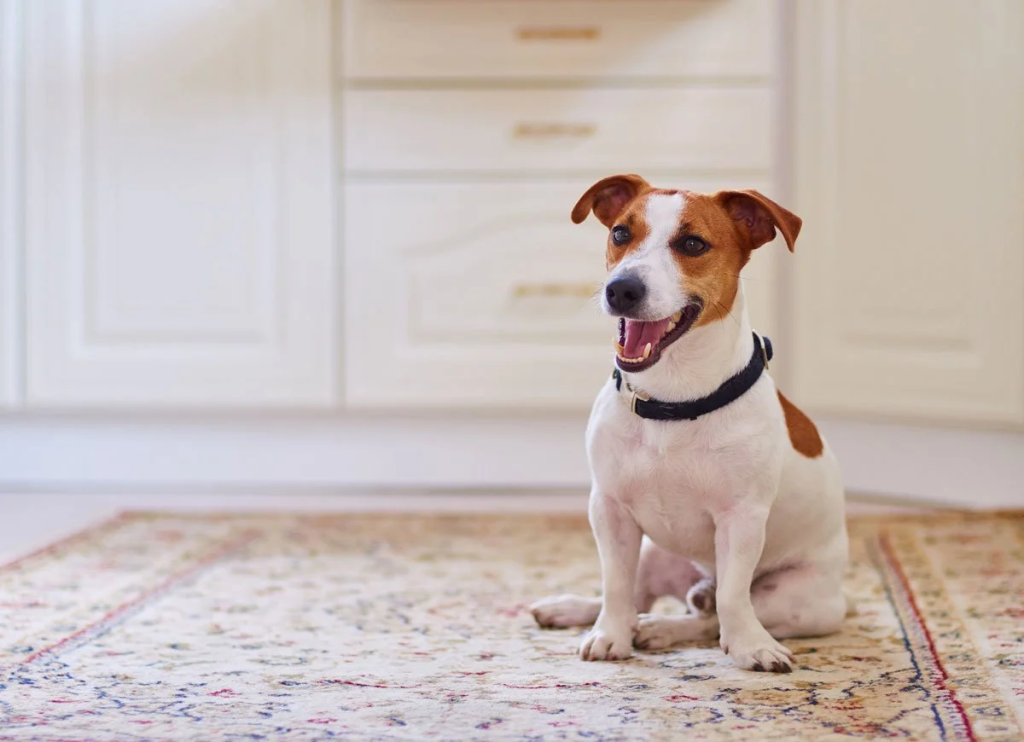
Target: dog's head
674,257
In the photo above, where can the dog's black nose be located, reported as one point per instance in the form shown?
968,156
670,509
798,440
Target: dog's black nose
623,294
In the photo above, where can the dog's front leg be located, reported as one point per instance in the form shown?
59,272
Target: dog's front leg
618,545
739,541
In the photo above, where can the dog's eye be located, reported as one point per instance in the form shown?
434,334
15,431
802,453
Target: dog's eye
691,245
620,235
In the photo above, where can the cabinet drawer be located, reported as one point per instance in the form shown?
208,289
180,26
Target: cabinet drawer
556,130
474,296
413,39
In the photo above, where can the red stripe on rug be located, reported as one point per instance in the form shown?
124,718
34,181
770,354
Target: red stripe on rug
111,616
939,682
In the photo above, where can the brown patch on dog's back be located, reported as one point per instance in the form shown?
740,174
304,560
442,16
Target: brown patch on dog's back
802,432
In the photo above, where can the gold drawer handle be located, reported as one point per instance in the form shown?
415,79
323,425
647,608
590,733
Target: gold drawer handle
558,33
553,131
576,290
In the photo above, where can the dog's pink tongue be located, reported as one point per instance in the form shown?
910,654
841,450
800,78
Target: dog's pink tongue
638,334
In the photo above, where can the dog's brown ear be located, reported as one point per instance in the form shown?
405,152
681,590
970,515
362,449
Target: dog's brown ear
759,216
608,197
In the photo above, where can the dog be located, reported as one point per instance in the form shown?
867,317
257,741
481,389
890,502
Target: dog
707,483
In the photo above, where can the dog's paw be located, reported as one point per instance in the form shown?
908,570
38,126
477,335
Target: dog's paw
655,632
756,650
563,611
662,632
701,597
606,645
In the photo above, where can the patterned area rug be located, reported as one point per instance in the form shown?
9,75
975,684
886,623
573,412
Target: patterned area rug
170,627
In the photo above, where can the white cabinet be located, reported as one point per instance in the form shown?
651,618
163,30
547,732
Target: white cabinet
470,130
910,178
170,182
178,204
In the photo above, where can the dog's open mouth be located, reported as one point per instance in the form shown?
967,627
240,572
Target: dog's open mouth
641,343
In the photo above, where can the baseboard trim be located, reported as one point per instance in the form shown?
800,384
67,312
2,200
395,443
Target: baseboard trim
941,466
888,463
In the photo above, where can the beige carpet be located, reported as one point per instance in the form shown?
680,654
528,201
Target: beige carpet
168,627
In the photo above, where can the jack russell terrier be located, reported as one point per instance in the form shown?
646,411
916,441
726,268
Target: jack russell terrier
708,484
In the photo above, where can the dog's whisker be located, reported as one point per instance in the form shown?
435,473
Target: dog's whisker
729,312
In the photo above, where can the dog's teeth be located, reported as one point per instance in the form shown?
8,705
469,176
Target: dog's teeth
677,316
671,326
647,352
619,349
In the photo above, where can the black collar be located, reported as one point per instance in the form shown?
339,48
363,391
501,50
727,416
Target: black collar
731,390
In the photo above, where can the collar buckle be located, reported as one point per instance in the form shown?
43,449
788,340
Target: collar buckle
764,350
636,394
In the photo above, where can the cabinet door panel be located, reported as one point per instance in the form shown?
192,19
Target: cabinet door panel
178,171
910,175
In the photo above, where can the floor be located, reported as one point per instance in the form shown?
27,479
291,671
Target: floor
29,521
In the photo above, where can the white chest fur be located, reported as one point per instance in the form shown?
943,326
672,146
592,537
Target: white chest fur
674,476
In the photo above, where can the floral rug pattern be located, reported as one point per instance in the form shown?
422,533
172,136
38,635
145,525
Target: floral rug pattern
410,627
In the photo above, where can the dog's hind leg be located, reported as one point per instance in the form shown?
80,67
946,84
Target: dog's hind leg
563,611
700,624
659,573
661,632
805,601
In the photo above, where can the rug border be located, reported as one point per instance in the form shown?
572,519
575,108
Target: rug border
79,534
